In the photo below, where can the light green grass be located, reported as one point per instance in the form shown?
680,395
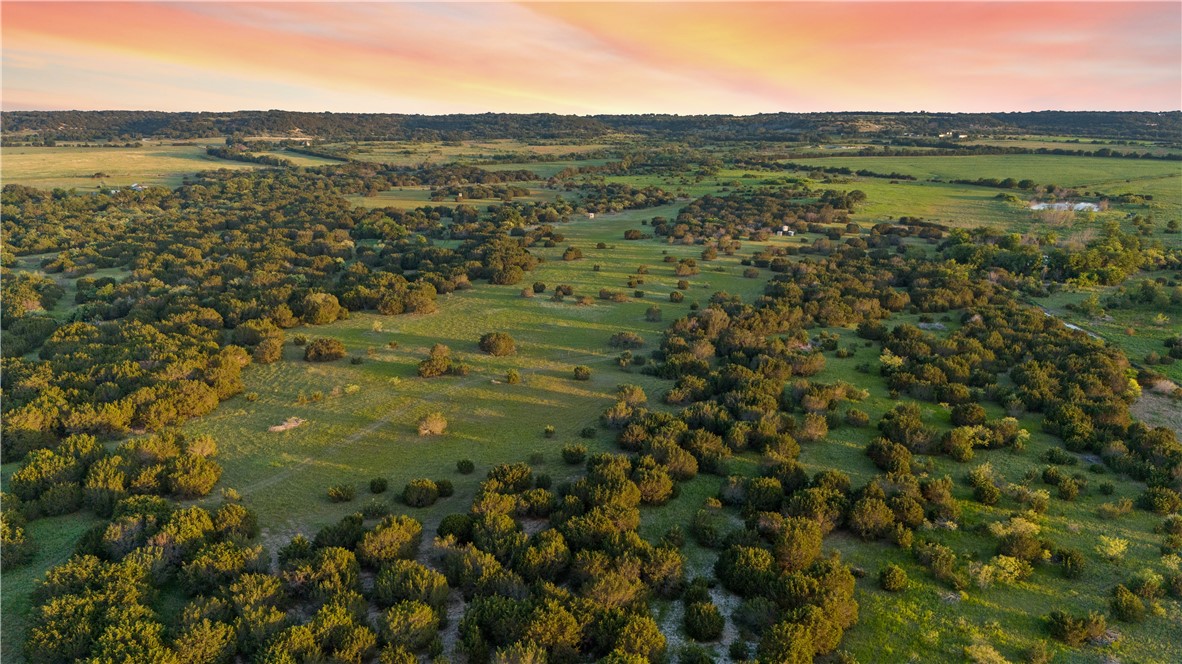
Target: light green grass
1136,329
61,311
55,537
1043,169
300,159
74,167
284,474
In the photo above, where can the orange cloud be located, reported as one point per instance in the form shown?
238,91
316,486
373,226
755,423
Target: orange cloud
592,58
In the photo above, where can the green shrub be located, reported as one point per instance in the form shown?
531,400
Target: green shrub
446,488
582,372
892,578
341,493
498,344
856,418
376,508
420,493
324,350
1126,606
403,580
410,624
1074,631
396,537
465,467
629,340
574,454
1161,500
703,622
378,485
432,424
456,525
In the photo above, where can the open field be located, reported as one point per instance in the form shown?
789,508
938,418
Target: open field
74,167
415,152
1068,143
300,159
488,422
1137,330
1108,174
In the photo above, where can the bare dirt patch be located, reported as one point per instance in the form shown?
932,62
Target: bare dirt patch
289,423
1158,410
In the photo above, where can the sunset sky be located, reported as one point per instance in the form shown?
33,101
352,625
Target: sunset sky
586,58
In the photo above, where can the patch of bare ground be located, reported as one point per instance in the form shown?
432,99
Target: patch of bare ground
289,423
1156,409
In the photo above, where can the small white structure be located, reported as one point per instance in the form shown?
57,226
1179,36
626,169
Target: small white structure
784,228
590,215
791,233
779,233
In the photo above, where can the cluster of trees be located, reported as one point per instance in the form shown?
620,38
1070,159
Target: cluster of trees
1108,259
742,373
239,153
504,192
25,300
617,196
940,148
79,472
809,127
755,214
839,170
215,272
104,602
580,585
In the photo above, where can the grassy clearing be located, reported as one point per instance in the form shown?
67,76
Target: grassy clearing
1078,172
1136,330
1034,142
56,537
300,159
489,422
74,167
417,152
61,311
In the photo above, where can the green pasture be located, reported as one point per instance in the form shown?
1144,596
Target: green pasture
1137,330
74,167
371,432
1108,174
1071,143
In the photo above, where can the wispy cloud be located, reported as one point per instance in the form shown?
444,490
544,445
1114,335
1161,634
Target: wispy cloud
593,57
